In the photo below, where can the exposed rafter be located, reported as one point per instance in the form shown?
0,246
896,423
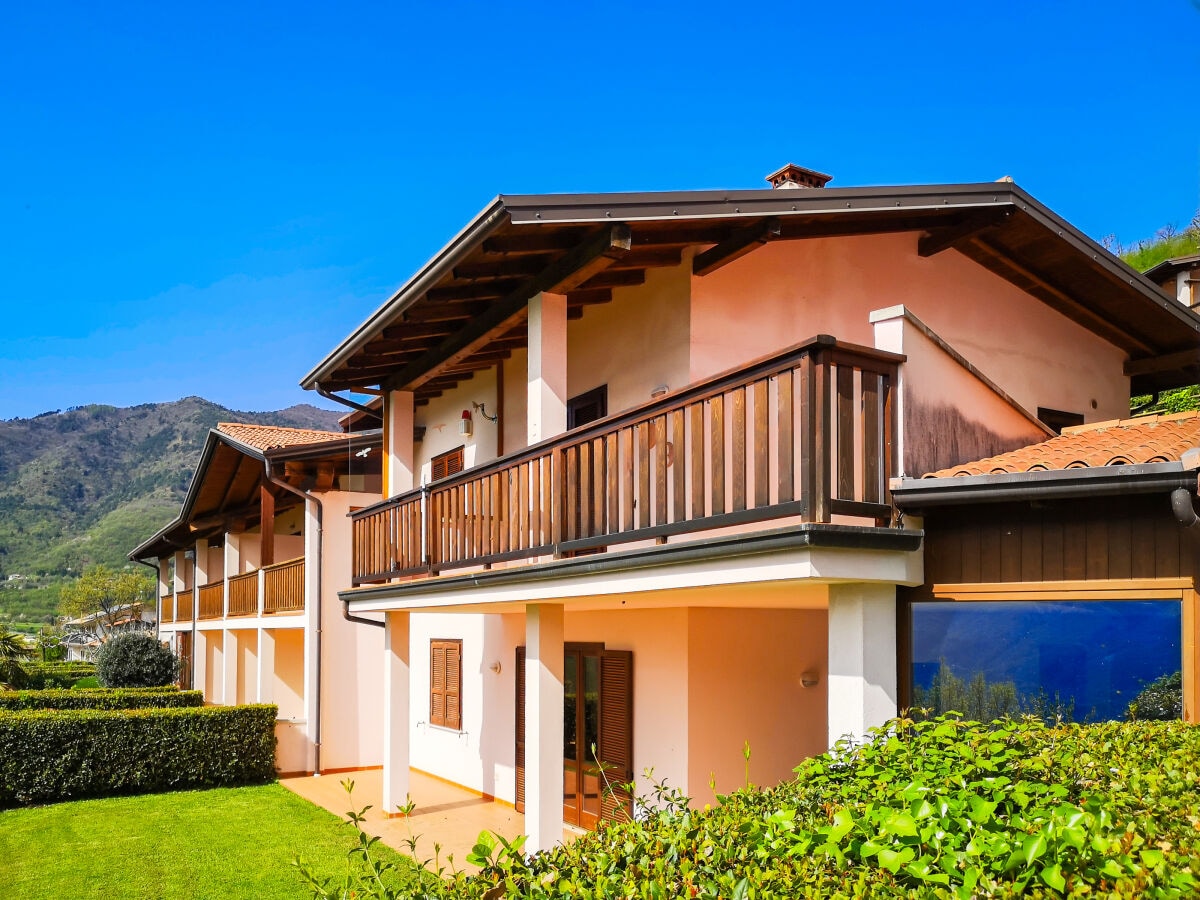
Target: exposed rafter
939,239
737,245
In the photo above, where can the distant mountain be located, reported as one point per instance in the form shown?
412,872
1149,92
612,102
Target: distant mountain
86,485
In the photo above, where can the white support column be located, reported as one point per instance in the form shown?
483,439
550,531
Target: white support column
313,567
400,472
230,663
200,566
200,641
862,658
396,718
266,665
233,563
543,725
546,414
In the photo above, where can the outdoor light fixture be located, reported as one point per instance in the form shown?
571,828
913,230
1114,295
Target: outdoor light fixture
482,408
465,426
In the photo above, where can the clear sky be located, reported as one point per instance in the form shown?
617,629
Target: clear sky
206,198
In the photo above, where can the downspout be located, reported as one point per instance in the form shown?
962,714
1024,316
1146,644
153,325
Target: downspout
306,496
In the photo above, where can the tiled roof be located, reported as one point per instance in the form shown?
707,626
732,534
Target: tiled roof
1148,439
269,437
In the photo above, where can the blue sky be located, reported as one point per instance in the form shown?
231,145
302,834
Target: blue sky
206,198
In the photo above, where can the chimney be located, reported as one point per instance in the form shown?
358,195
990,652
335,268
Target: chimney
793,176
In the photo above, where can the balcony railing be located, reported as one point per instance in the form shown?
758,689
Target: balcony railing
184,605
243,594
166,608
805,433
212,600
283,587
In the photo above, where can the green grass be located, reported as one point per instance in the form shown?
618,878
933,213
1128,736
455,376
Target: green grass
228,842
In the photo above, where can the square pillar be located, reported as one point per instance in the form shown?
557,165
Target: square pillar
400,464
229,666
543,726
862,658
546,413
396,718
266,666
200,565
233,564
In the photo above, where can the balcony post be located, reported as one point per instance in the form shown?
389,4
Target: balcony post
546,413
266,665
396,717
862,658
543,725
262,592
233,565
399,471
230,663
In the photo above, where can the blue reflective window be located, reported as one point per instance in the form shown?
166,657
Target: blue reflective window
1086,661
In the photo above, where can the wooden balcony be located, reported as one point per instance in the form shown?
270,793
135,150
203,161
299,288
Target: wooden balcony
283,587
805,434
166,611
212,600
184,605
243,594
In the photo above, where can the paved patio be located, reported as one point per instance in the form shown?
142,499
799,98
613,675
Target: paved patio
445,814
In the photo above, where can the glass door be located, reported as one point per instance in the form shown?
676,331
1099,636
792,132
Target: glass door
581,736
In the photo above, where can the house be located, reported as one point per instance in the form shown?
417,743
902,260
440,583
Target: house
637,460
1068,567
248,574
82,636
1179,277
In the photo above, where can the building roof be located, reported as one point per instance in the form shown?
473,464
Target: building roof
1120,442
1169,268
463,311
272,437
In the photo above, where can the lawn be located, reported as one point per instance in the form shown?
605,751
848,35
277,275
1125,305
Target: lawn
227,842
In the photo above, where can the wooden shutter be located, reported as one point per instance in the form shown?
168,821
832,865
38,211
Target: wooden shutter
519,764
616,731
445,684
446,464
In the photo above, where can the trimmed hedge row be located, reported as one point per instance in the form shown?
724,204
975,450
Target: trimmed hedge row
101,698
70,754
45,676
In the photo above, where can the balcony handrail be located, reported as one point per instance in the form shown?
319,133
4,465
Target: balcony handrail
796,419
284,564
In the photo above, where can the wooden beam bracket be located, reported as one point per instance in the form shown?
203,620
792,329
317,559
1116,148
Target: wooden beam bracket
737,245
935,241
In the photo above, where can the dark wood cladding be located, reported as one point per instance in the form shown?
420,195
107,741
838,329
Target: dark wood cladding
816,417
1072,540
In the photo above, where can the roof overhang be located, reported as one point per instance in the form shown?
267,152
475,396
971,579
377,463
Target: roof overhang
462,311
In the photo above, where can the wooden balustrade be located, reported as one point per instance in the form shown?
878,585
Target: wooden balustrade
166,608
805,433
212,600
243,594
184,605
283,587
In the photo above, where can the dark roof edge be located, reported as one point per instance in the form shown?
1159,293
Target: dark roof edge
1172,266
839,537
139,553
914,494
487,221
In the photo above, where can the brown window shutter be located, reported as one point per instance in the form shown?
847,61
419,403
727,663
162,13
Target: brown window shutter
445,683
519,763
616,731
453,685
437,683
446,464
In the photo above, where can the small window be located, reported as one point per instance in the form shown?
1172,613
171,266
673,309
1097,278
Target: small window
446,464
587,407
1057,419
445,683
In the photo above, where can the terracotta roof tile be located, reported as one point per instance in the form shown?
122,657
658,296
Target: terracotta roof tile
1148,439
269,437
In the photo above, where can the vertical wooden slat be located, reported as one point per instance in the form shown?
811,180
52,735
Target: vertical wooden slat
535,503
678,466
523,500
762,444
822,438
738,462
643,475
627,492
612,486
598,485
845,432
514,512
872,451
787,446
696,457
660,470
716,420
486,515
571,531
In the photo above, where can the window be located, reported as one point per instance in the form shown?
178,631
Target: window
446,464
1057,419
445,683
587,407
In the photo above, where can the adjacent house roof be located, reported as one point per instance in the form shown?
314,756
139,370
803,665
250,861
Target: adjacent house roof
1147,439
271,437
1171,267
1151,454
463,311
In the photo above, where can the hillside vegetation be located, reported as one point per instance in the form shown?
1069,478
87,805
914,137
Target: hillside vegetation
86,485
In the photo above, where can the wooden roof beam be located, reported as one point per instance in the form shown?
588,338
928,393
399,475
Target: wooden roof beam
1152,365
936,240
587,259
743,241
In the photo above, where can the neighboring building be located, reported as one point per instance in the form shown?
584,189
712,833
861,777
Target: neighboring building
83,636
1179,277
1067,568
637,458
253,610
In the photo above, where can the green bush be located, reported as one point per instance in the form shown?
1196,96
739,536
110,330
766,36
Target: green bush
936,808
1159,701
43,676
135,660
103,698
69,754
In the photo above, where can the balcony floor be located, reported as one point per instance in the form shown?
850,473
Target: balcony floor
445,813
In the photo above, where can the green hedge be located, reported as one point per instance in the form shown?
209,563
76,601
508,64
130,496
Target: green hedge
46,676
101,698
69,754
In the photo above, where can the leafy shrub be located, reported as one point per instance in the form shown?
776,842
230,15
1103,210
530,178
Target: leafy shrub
68,754
43,676
135,660
114,698
937,808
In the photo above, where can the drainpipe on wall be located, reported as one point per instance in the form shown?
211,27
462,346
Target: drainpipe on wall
306,496
157,599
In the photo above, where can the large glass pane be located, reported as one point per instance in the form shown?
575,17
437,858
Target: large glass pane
591,734
570,698
1086,661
